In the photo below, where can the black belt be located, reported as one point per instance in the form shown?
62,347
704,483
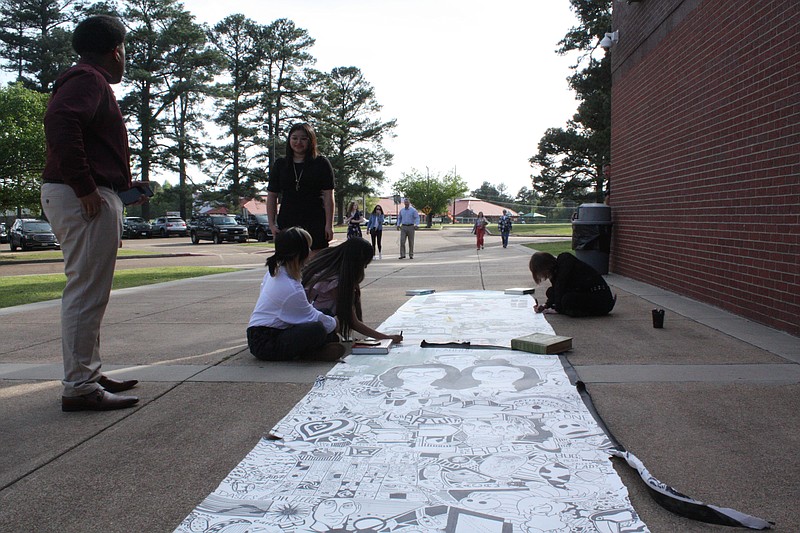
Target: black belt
406,224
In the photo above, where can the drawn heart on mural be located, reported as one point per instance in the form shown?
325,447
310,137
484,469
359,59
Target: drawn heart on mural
321,428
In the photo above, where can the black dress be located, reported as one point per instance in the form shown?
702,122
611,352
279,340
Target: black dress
300,187
577,289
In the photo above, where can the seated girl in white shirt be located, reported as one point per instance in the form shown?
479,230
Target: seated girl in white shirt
284,325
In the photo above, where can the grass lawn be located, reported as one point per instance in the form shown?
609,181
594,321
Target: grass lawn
539,230
267,244
554,248
18,290
57,254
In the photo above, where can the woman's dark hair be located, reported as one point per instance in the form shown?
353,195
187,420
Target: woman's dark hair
98,35
345,262
542,266
376,208
290,244
313,151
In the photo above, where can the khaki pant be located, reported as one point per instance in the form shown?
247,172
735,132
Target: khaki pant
90,254
407,232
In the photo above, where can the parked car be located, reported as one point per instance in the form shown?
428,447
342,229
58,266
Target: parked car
257,227
3,233
217,228
29,233
136,227
168,226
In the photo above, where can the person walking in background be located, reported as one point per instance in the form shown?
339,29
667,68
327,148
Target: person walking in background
407,223
304,179
504,226
88,163
354,219
284,325
375,228
480,229
332,282
576,288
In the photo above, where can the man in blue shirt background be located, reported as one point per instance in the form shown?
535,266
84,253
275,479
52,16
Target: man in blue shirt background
407,223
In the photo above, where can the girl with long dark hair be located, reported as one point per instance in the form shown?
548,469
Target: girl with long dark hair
332,283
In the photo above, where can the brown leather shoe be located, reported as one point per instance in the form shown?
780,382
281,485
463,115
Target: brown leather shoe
333,351
115,385
98,400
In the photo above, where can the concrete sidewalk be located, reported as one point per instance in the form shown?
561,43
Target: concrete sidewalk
710,403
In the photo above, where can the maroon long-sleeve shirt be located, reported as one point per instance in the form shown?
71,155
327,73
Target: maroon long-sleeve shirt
87,143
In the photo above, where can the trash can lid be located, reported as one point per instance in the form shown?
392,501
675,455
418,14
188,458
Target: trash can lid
593,213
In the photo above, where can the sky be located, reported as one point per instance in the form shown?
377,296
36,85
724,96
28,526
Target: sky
473,85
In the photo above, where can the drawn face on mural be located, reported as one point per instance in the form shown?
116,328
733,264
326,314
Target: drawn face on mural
420,377
497,375
502,465
572,429
481,501
334,512
556,475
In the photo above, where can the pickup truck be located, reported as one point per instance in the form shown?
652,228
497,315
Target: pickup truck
217,228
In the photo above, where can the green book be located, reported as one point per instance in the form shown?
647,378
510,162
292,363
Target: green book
419,292
520,290
542,343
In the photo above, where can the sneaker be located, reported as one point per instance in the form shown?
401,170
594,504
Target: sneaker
380,255
331,352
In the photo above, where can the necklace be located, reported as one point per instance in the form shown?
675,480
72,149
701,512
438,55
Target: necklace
296,177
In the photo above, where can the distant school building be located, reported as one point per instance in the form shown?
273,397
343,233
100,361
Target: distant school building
465,209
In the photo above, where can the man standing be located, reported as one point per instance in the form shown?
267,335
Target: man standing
504,225
88,163
407,223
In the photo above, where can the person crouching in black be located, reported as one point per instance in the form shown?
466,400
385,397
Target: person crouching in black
577,289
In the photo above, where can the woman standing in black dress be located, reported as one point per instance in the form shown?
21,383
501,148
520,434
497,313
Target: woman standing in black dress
304,181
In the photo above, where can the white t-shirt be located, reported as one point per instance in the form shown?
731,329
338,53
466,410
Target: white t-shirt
282,303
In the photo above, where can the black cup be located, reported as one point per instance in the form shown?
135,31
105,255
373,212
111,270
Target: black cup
658,318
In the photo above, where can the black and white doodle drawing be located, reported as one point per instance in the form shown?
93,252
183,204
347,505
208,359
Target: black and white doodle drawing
432,440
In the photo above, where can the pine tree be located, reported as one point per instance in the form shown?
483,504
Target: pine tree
350,132
36,39
570,160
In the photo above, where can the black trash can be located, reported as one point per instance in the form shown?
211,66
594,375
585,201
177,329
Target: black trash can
591,235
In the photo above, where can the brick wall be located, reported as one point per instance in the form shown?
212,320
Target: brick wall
706,152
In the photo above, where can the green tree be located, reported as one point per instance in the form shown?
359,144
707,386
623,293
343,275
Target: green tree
570,159
161,32
22,147
432,193
350,132
35,39
193,66
492,193
234,164
525,196
282,82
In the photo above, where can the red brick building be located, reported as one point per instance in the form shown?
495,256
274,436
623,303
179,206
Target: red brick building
705,148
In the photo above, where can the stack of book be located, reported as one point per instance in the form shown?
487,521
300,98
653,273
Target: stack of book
371,346
520,290
542,343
